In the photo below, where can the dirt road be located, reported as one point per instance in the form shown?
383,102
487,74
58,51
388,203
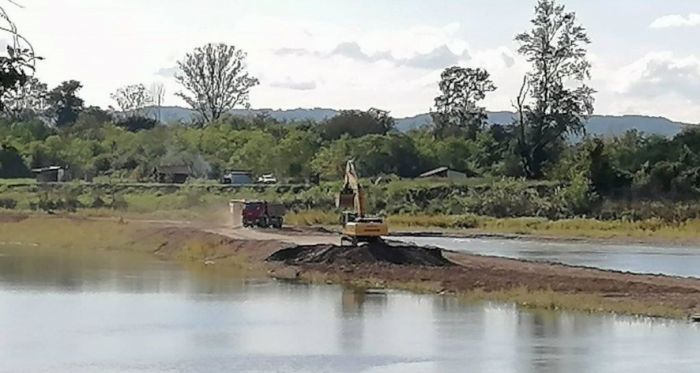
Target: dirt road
293,236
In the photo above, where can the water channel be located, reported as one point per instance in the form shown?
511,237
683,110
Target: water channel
637,258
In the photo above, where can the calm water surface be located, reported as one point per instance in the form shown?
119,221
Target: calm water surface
675,261
103,312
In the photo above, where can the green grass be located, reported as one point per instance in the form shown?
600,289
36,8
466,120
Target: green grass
591,228
74,233
522,297
17,182
312,217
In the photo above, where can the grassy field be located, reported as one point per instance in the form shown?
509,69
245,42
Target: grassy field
76,234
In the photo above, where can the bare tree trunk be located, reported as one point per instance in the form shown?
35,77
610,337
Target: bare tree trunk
525,157
158,94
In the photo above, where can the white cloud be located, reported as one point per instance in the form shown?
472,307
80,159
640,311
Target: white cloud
658,83
676,20
439,57
297,85
167,72
662,73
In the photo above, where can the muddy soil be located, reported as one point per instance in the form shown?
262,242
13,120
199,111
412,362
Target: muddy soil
371,254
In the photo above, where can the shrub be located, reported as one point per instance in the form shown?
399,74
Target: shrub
7,203
577,198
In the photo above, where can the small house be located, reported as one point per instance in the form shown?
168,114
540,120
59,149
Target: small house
444,173
171,174
51,174
238,178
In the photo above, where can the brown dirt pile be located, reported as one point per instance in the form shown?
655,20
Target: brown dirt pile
374,253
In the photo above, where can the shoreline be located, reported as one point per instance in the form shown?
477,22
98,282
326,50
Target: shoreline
487,235
529,284
534,237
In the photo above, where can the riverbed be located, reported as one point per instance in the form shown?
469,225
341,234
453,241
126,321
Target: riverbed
73,311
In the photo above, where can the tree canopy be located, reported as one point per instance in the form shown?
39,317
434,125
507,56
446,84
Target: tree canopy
64,104
456,108
215,80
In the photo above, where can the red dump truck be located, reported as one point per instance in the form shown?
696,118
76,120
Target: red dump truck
262,214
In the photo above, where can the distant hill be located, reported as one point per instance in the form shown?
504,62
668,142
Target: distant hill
174,114
604,125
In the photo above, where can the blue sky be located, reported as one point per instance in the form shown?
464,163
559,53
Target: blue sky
362,53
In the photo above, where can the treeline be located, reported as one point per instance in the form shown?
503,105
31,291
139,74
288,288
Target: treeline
93,146
96,145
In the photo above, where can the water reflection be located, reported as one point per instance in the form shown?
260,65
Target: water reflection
352,315
72,312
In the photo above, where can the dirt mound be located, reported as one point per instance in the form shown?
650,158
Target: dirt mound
375,253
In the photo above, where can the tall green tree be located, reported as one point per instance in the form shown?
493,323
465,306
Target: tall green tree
356,123
554,100
64,104
457,110
216,80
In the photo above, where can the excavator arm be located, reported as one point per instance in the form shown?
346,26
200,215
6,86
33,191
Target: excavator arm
352,195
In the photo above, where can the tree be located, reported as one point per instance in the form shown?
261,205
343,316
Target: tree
356,123
136,123
17,67
548,109
295,153
27,101
256,154
383,118
456,108
64,104
132,99
90,124
216,78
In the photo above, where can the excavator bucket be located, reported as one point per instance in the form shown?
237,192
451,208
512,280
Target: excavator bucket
346,199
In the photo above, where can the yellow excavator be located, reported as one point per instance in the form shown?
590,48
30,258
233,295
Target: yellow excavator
357,227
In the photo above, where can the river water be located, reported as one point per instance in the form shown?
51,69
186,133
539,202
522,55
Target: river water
675,261
106,312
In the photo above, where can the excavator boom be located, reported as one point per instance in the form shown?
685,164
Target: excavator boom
352,195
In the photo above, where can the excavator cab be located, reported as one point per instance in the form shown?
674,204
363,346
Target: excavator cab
357,227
